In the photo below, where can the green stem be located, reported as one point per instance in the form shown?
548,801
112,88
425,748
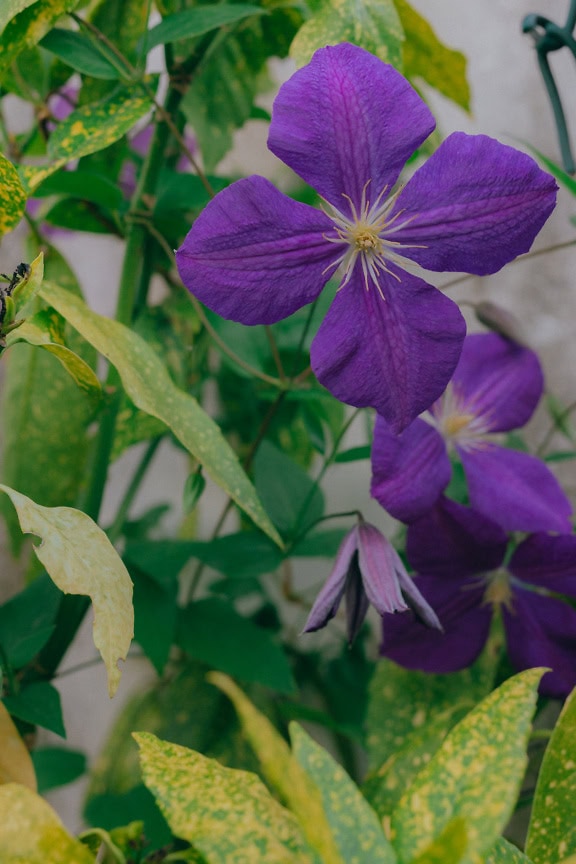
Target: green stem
115,530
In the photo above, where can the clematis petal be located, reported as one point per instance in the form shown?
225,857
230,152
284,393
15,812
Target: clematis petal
516,490
394,354
474,206
548,562
345,119
500,380
254,255
416,601
410,470
465,622
357,602
378,563
541,631
328,600
454,542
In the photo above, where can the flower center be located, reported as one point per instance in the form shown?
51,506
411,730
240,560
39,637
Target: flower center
457,421
365,234
498,591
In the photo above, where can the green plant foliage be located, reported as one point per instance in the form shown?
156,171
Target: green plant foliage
373,24
356,827
148,385
290,496
199,20
27,621
81,560
29,26
475,775
427,58
504,852
90,129
12,196
10,8
409,715
80,53
57,766
31,832
284,774
552,830
450,846
38,704
228,815
211,630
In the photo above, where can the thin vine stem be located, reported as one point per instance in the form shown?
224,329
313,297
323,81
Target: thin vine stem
554,427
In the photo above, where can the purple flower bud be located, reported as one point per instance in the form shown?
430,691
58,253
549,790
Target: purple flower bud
368,570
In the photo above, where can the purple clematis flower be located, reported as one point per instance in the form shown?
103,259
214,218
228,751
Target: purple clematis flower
346,124
459,556
367,570
495,388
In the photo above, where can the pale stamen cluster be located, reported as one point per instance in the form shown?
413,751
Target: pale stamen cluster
366,236
457,420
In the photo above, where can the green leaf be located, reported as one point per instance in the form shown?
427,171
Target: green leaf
31,832
212,631
319,544
475,775
354,454
197,21
38,704
29,26
79,52
27,621
10,8
155,612
290,496
81,560
75,215
147,383
504,852
450,846
12,196
46,330
89,129
372,24
57,766
283,773
567,181
552,829
228,815
427,58
85,185
355,826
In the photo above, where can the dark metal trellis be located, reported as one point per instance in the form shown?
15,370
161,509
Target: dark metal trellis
548,37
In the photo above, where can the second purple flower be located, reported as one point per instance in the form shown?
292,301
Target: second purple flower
346,124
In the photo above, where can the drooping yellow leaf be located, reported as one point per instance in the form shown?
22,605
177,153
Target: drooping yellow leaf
15,762
32,833
81,560
283,772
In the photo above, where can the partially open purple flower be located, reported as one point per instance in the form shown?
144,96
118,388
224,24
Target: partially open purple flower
495,388
459,556
367,570
347,123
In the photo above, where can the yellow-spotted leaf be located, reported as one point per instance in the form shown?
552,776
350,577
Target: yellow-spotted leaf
81,560
46,330
228,815
15,762
32,833
475,775
552,831
10,8
28,26
89,129
355,826
427,58
372,24
149,386
12,196
283,772
504,852
450,846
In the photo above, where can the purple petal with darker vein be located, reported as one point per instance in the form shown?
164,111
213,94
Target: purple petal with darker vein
330,596
378,566
394,354
357,602
254,255
465,620
345,119
499,379
474,206
516,490
549,562
410,470
454,542
541,631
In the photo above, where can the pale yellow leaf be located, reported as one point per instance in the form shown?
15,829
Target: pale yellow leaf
15,762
